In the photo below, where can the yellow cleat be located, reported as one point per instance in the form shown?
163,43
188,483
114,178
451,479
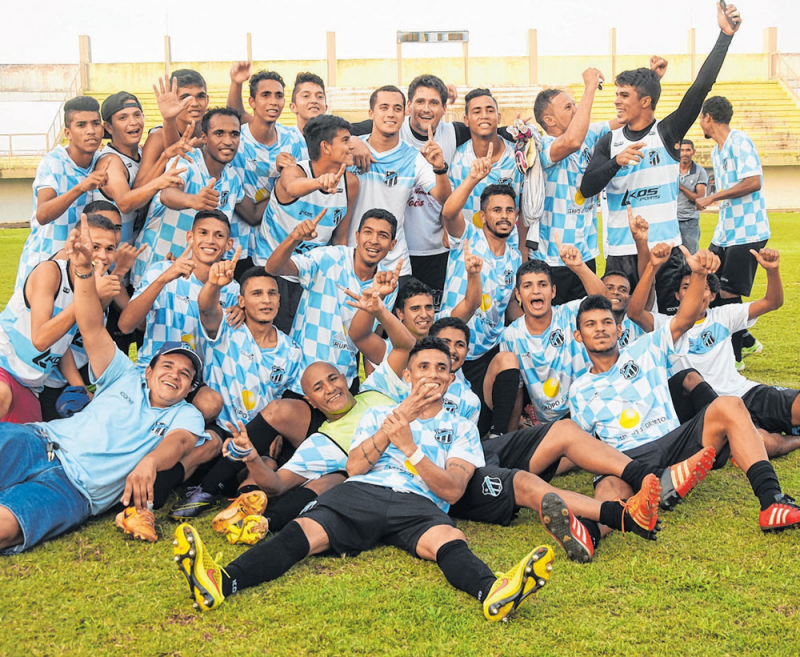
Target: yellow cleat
200,570
247,504
248,531
140,524
511,588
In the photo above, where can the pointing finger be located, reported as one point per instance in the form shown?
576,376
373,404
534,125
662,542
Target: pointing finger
491,150
430,134
236,255
318,218
342,169
466,249
186,253
685,252
398,268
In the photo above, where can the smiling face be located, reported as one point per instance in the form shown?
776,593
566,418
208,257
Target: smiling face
708,295
85,131
169,379
269,101
260,299
388,113
104,246
417,314
535,294
222,139
629,104
458,345
599,332
425,110
309,101
198,103
619,292
126,126
374,241
210,239
500,215
559,113
429,368
481,116
325,388
340,148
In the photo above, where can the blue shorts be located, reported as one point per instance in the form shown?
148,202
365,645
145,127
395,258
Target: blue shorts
36,491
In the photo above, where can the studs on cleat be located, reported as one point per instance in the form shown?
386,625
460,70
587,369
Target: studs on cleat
550,567
493,610
541,582
528,569
192,552
565,512
177,558
546,520
208,602
175,542
196,606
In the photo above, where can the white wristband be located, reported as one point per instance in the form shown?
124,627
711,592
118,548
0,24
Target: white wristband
416,457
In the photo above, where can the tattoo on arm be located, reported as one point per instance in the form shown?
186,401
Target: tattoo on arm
453,464
364,452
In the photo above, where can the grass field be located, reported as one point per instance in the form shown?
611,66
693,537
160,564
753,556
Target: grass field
712,584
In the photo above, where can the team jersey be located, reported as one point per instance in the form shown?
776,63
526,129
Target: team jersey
442,437
254,163
566,212
18,356
165,229
174,316
711,349
497,283
630,405
280,219
100,445
741,220
323,316
425,232
458,399
631,331
650,186
132,168
297,133
549,362
246,375
58,172
325,452
388,185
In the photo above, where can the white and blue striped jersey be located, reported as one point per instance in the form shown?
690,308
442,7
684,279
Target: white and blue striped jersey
442,437
174,316
650,186
165,229
388,184
58,172
18,356
497,283
132,168
741,220
630,405
549,362
566,212
323,316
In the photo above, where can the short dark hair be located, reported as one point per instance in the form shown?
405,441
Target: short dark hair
101,222
688,142
477,93
411,288
380,213
620,273
542,102
712,280
217,111
321,128
254,272
593,302
306,77
256,78
497,190
80,104
186,77
100,205
450,322
430,343
429,82
644,80
219,215
390,88
719,109
534,267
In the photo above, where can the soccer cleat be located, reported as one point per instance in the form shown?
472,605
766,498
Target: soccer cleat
740,365
141,524
247,504
200,570
196,501
511,588
570,532
640,512
781,514
248,531
757,348
679,479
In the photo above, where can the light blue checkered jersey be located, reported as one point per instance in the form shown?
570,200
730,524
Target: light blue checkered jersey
650,186
58,172
630,405
741,220
443,437
631,332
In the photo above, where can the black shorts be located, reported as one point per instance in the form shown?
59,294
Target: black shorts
489,497
357,516
771,407
290,299
317,416
431,270
514,450
568,283
737,269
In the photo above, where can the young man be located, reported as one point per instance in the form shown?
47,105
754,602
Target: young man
743,225
397,169
637,164
618,287
624,400
405,470
303,191
52,475
65,177
308,102
692,182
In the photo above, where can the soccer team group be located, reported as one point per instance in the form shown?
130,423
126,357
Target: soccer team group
258,267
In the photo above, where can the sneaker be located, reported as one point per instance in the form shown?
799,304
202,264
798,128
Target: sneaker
570,532
248,531
781,514
757,348
200,570
679,479
511,588
640,512
196,501
141,524
740,365
247,504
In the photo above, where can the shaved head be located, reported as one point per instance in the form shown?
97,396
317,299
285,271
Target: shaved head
315,372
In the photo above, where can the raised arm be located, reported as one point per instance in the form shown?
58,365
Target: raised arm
466,308
50,205
433,154
220,274
452,219
702,264
572,258
572,139
770,260
206,199
280,261
126,199
637,305
240,73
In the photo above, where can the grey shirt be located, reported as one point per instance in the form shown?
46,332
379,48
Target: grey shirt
690,180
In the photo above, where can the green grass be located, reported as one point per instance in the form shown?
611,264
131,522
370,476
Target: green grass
712,584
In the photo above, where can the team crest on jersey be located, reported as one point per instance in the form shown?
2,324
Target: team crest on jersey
337,215
159,429
508,277
443,436
492,486
625,338
276,378
629,370
390,178
587,155
708,339
449,405
557,338
505,181
654,158
223,198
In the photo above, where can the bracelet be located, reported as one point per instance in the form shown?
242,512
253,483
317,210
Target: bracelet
442,171
364,452
416,457
83,277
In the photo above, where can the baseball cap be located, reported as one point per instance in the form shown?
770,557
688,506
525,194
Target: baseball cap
116,102
185,349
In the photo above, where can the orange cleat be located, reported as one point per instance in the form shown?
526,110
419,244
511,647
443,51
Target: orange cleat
141,524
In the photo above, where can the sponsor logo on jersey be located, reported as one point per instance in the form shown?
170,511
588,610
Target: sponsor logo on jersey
645,194
390,178
492,486
277,375
125,397
557,338
629,370
628,419
443,436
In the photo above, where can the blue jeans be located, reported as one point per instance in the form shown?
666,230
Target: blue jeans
35,490
690,234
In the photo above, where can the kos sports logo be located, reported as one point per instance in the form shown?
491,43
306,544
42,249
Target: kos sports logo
643,195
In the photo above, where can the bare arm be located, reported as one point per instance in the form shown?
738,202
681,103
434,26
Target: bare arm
742,188
466,308
770,260
699,191
69,370
572,258
452,219
220,274
240,73
41,289
126,199
280,261
572,139
50,206
702,264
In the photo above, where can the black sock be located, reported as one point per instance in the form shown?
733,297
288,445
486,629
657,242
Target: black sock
702,395
764,482
504,397
243,490
736,341
282,510
266,561
165,481
593,528
611,514
464,570
634,473
747,339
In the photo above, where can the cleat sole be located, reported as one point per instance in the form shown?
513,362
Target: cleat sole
555,518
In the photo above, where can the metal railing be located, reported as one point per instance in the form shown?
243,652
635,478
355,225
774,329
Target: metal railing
788,75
